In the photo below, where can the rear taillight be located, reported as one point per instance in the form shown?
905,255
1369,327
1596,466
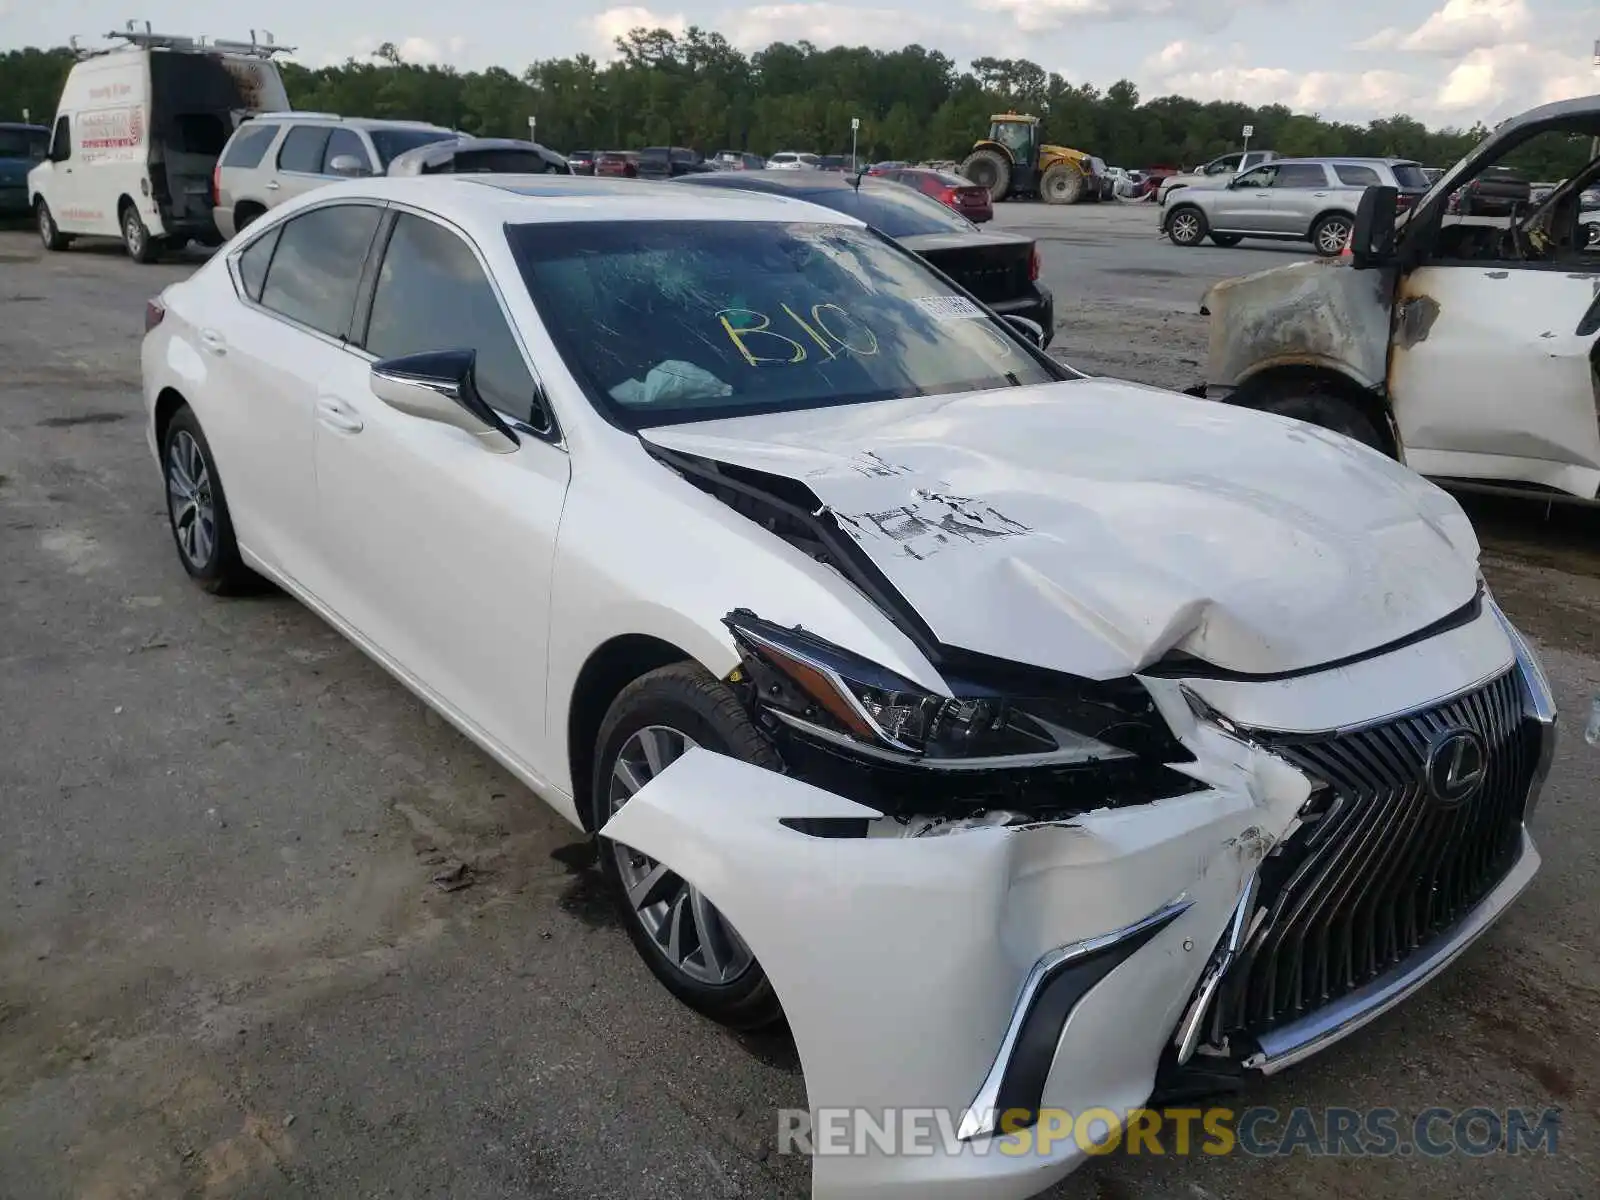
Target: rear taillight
947,195
1033,265
216,185
154,310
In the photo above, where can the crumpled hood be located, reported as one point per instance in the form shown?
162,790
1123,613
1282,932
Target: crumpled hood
1093,526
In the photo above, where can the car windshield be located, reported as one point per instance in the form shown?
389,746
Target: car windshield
1411,177
669,321
890,208
392,142
24,143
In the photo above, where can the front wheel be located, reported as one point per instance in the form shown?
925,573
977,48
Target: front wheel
685,941
49,232
1331,235
1187,227
1317,405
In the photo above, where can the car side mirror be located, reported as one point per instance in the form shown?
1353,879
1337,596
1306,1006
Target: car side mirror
440,386
1031,330
1372,241
348,165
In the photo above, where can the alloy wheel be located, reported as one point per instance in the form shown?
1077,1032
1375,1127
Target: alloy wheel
1186,228
47,226
194,515
133,232
1332,236
687,927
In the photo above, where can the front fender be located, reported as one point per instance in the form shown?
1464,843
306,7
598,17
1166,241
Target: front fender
899,961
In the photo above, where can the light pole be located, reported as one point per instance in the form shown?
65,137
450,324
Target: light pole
533,129
855,130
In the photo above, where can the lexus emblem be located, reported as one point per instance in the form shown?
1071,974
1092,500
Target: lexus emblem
1454,769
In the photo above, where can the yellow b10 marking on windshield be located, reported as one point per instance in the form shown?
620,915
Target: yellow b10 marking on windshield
817,329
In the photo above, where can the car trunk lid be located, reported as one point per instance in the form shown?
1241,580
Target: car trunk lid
990,266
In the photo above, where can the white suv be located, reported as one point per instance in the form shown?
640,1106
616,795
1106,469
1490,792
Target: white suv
282,154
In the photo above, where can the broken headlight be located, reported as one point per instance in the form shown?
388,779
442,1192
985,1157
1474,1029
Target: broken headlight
1032,719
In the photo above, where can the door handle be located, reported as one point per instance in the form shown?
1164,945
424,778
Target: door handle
338,416
213,341
272,185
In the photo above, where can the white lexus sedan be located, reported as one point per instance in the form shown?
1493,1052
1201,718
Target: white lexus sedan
1030,741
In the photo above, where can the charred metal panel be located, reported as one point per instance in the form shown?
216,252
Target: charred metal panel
1318,313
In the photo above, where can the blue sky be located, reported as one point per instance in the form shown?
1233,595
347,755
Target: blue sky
1445,61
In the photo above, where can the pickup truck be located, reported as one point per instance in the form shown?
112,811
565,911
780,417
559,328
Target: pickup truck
1216,173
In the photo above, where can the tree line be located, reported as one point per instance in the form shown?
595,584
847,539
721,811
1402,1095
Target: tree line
696,89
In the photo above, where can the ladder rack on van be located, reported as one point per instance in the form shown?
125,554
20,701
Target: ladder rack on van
147,39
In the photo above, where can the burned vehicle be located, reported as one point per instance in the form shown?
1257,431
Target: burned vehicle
1023,739
1415,342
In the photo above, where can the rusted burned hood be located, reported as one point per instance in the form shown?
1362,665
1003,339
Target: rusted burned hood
1319,313
1092,526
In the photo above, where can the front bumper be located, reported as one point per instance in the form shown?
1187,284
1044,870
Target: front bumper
1056,968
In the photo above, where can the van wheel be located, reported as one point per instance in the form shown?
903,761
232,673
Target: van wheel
142,248
49,233
1316,404
685,941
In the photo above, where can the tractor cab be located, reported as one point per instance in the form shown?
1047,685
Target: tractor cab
1019,135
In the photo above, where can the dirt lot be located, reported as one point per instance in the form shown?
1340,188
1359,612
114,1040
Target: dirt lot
225,969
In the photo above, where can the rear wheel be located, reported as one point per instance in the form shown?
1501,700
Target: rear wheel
1226,239
141,247
686,942
244,214
989,169
1330,235
197,510
1062,183
1187,226
1317,404
49,233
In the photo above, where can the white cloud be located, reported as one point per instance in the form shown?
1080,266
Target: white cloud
826,24
1463,25
1498,81
619,22
1331,93
1038,16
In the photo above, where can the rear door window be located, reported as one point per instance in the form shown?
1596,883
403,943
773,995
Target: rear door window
433,294
1301,175
316,269
302,149
249,145
1355,175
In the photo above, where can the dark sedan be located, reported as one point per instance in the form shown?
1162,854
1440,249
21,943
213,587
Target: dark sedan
22,147
999,269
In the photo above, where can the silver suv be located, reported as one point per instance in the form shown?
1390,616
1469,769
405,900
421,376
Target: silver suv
1292,199
277,155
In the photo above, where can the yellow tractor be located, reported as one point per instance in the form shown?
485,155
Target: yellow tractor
1010,162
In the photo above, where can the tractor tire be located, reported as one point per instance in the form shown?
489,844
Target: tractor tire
1062,183
989,169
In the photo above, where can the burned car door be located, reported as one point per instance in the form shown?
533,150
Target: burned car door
1492,373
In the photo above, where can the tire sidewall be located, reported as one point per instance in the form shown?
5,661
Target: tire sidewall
49,234
1201,226
1321,226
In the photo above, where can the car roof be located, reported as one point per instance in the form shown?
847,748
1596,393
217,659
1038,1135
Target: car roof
783,183
532,199
322,118
25,125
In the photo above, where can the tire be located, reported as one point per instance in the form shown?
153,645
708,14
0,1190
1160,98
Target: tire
207,550
1062,183
1316,404
670,708
1226,240
244,214
990,169
49,232
136,239
1187,226
1331,234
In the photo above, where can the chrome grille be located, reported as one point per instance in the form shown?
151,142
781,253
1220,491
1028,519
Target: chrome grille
1379,867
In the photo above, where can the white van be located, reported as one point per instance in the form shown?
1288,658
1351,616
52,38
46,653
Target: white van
137,135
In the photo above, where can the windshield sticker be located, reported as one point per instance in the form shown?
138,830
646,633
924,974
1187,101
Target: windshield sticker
830,330
948,308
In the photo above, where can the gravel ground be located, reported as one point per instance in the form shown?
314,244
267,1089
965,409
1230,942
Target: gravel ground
225,969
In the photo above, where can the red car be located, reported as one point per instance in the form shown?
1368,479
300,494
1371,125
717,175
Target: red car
617,164
960,195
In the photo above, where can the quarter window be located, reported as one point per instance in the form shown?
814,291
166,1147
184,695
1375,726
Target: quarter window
302,149
316,270
432,294
254,261
249,145
1355,175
